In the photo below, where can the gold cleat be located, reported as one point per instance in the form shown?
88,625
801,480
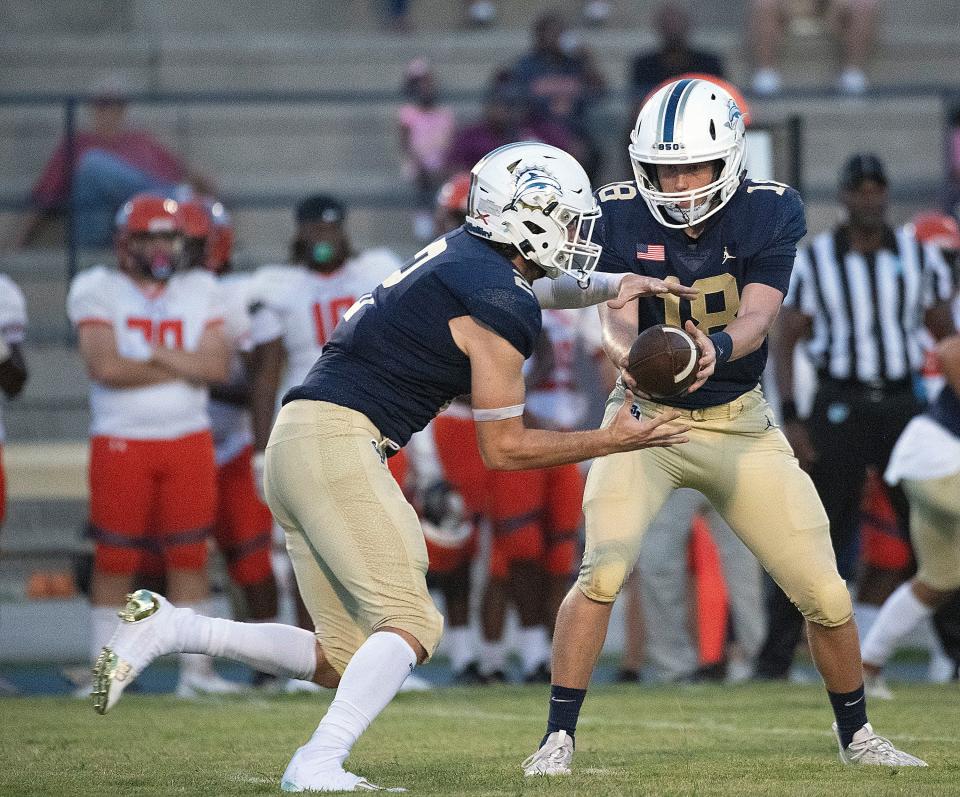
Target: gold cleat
140,605
114,671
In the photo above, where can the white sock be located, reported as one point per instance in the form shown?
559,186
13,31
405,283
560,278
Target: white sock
198,665
534,644
899,615
461,646
268,647
103,622
374,675
493,656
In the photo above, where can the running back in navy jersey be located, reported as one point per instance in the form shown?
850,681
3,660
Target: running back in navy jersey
753,239
392,356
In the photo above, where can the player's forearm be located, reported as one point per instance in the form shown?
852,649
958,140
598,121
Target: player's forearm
747,332
541,448
566,293
122,372
194,366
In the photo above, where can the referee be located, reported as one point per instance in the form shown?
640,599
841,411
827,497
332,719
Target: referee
859,297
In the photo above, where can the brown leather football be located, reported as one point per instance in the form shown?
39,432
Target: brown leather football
663,360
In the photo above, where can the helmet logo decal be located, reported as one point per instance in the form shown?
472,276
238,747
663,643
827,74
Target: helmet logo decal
734,115
532,180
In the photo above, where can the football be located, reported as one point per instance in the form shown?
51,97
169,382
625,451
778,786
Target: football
663,361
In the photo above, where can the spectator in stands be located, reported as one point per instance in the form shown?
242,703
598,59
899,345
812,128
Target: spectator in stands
673,57
507,117
864,337
151,339
562,80
853,22
106,165
426,132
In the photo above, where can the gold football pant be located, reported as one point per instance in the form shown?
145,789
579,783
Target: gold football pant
935,529
742,463
355,542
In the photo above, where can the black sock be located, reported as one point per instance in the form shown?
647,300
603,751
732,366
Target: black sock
850,709
565,706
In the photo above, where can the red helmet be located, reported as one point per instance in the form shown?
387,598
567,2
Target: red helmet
195,218
938,229
454,193
148,213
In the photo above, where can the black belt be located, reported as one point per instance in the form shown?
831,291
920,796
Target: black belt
874,390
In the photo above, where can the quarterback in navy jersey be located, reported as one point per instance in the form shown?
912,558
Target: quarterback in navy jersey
691,218
460,318
752,240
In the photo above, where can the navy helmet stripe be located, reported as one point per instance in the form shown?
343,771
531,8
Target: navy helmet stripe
670,117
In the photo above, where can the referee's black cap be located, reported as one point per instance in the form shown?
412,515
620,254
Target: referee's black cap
320,207
860,167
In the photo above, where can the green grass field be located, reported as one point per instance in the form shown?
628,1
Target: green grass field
705,740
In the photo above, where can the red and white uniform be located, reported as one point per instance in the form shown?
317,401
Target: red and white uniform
536,513
557,400
152,472
243,524
13,325
302,306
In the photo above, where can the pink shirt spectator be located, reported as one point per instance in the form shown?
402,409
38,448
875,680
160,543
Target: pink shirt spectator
136,147
430,132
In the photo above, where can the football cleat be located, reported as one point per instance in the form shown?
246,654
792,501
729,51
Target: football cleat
553,757
144,633
870,749
299,776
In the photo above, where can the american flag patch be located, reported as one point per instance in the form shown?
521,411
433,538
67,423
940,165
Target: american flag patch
650,252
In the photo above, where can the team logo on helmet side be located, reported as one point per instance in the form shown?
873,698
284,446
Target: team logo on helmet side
734,115
531,181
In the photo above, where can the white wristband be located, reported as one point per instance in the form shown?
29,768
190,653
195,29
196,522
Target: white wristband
499,413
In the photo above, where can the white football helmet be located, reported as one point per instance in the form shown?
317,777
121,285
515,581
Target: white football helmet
538,198
688,121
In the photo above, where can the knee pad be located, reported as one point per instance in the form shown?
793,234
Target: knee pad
426,627
827,603
603,572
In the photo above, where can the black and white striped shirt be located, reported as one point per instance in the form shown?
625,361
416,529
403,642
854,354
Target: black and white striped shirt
867,310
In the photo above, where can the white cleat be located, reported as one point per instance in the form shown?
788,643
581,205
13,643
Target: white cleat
868,748
144,633
875,686
553,757
300,776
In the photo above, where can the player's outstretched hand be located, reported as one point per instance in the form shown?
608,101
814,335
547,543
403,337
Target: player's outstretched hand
631,432
708,355
633,286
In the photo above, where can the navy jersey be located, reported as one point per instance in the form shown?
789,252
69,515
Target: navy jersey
945,410
752,239
392,356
